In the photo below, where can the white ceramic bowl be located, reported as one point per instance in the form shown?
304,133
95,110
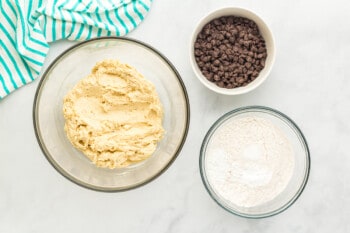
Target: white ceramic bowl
265,32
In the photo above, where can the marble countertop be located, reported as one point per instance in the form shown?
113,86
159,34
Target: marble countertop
310,82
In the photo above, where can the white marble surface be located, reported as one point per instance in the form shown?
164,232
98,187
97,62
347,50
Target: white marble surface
310,82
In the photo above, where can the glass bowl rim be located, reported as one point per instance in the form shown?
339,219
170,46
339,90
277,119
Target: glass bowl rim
52,161
274,113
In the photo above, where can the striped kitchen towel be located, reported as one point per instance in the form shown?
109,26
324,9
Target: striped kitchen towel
27,26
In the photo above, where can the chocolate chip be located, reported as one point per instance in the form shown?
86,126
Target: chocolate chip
262,63
216,77
220,37
222,47
209,46
261,49
198,53
216,63
230,51
216,22
216,54
255,74
248,64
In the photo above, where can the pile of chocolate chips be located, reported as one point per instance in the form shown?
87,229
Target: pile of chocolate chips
230,51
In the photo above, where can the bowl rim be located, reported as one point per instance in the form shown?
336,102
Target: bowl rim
275,113
57,167
208,84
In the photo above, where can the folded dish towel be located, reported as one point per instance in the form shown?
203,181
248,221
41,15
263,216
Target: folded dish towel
26,28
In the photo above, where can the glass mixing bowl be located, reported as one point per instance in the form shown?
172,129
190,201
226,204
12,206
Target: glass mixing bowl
75,64
301,163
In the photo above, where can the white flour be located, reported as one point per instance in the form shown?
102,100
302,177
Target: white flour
249,161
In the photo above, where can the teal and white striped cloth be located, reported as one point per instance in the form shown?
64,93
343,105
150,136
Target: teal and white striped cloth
27,26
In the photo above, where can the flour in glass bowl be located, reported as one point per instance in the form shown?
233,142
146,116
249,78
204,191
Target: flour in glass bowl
249,161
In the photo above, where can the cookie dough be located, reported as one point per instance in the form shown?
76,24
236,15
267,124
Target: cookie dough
114,115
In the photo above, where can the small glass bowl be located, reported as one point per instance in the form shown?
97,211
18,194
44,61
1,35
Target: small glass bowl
75,64
301,170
